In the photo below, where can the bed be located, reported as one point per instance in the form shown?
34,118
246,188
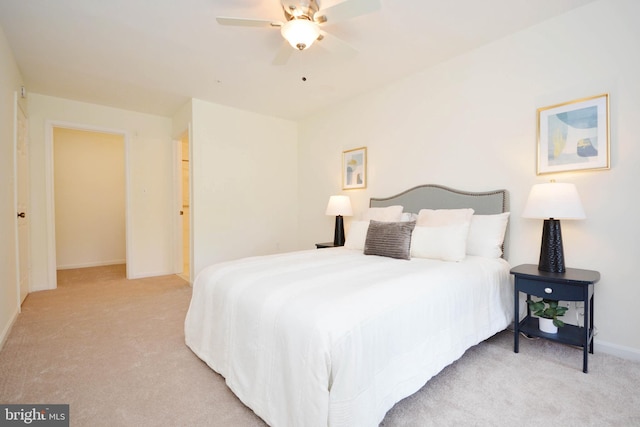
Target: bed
337,336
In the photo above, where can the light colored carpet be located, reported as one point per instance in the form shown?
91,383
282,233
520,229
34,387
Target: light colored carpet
114,350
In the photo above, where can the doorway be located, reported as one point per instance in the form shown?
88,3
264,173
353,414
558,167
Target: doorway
89,186
185,208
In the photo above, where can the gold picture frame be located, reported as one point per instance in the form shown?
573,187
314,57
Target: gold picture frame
354,168
574,136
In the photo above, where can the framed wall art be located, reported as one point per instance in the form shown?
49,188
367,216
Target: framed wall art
574,135
354,168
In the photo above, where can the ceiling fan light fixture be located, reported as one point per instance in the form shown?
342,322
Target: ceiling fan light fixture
300,33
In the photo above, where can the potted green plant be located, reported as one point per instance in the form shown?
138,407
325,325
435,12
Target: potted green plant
548,311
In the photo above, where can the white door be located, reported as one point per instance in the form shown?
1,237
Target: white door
22,195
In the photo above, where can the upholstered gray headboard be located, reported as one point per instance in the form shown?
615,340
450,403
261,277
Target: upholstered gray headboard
431,196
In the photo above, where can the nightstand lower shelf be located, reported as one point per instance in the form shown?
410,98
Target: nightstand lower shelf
568,334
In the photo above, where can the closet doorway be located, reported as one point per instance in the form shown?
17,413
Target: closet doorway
185,207
89,187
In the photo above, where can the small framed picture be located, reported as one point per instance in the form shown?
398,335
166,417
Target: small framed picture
354,168
574,135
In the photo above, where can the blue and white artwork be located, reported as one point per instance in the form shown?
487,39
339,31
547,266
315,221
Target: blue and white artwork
355,168
574,136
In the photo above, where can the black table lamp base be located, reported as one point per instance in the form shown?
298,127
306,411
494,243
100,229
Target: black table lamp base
338,235
551,251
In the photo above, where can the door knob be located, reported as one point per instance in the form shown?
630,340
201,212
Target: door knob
21,215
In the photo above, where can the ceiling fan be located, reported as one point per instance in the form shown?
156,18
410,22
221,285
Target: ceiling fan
303,19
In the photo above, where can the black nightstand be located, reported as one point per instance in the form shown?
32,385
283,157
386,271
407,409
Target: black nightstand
573,285
327,245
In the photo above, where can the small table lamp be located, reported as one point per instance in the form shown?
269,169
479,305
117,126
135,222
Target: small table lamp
553,202
339,206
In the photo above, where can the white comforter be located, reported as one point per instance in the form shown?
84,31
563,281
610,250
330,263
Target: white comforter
332,337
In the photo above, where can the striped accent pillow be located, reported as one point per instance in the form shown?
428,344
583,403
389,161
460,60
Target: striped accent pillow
390,239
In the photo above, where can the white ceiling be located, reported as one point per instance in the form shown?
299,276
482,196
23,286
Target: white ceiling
152,56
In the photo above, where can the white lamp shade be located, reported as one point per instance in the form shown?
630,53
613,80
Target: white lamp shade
300,33
339,205
554,200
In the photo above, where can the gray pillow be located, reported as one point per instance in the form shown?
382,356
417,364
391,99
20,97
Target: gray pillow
390,239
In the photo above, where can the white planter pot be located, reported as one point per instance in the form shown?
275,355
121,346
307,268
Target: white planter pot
546,325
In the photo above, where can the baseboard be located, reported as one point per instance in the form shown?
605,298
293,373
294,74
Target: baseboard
146,274
185,278
92,264
7,329
617,350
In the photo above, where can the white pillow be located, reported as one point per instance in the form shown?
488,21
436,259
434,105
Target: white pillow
447,243
440,217
486,235
388,214
357,235
408,217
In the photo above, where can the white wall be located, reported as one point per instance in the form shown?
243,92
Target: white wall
470,123
10,82
89,189
181,121
150,188
244,175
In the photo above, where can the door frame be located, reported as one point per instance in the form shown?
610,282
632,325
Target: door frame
50,197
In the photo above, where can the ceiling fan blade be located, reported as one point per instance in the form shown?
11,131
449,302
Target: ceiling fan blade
346,10
336,46
244,22
283,55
